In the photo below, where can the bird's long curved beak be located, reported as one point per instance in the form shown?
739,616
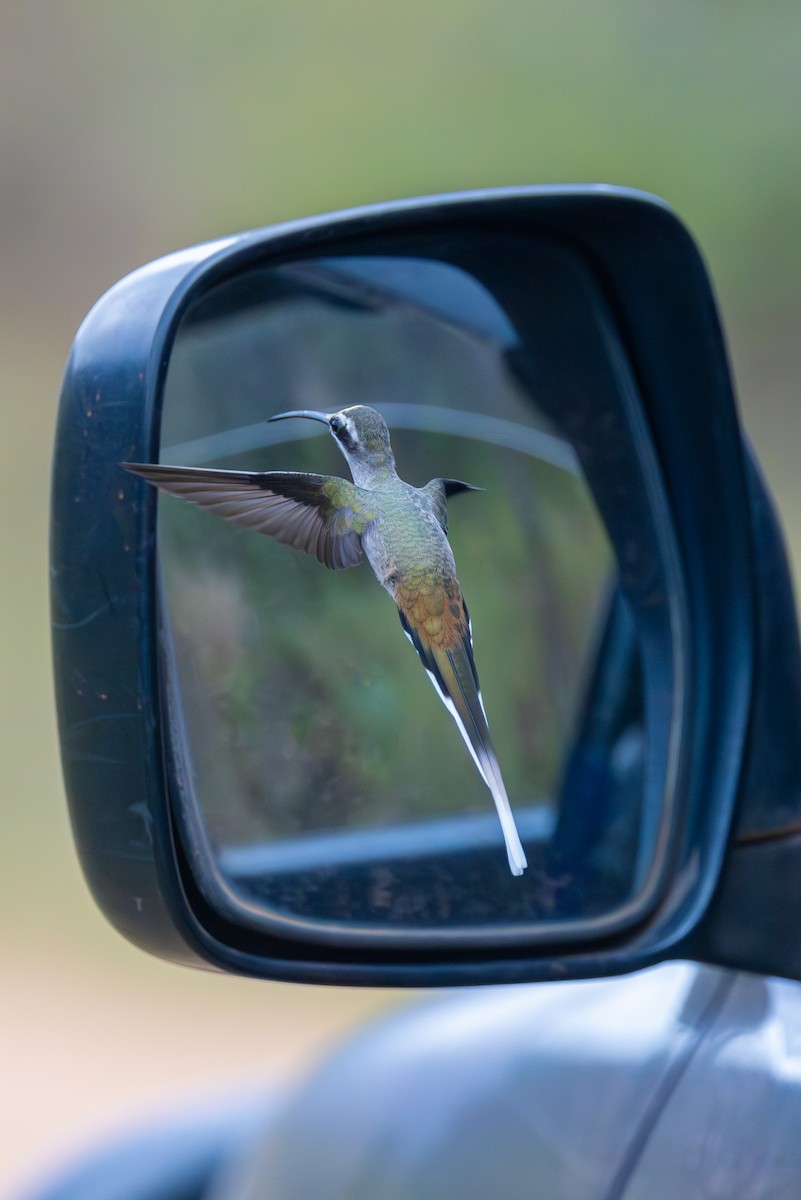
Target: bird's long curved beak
302,412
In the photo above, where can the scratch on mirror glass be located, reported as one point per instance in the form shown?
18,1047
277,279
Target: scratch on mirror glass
117,716
87,620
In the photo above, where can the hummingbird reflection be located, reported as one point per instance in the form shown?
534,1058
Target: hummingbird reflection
402,531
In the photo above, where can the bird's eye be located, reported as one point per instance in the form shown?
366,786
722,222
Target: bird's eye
337,425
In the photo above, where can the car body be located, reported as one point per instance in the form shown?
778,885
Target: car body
680,1080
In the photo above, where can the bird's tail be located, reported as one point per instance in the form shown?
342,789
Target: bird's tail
453,673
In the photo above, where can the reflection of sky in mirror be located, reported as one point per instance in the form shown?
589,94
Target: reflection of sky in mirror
448,295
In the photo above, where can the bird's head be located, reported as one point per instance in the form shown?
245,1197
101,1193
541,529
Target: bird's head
361,434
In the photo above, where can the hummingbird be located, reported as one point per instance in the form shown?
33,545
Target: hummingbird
402,531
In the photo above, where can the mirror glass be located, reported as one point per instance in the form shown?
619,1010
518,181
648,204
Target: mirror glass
320,775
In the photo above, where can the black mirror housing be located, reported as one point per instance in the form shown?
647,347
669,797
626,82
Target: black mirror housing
673,473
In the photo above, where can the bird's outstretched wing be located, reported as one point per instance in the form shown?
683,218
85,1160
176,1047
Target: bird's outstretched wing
438,627
438,491
320,514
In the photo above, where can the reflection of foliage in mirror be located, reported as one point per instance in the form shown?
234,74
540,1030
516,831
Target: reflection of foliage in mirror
306,709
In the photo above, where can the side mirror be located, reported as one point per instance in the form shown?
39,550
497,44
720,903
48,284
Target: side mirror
260,778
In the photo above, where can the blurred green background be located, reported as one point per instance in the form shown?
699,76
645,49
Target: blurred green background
128,130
